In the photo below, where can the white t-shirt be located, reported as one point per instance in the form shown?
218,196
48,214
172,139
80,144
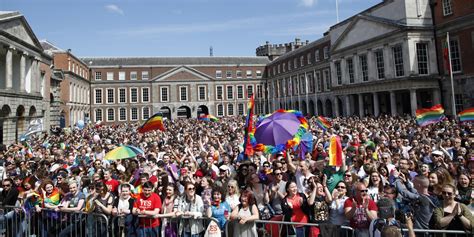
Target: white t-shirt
301,181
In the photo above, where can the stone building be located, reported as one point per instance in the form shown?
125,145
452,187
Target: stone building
456,17
22,82
132,89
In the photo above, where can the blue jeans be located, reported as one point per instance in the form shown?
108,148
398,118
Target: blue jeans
301,232
148,232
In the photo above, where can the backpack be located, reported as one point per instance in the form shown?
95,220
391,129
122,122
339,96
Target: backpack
377,225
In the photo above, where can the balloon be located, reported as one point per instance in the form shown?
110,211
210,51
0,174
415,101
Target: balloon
96,138
80,124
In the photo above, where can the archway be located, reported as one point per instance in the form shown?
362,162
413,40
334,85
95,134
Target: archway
303,108
340,106
281,106
4,113
165,112
320,108
20,122
297,106
62,119
184,112
202,110
329,108
32,111
311,108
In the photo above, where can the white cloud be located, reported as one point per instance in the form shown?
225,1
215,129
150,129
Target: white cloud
308,3
114,9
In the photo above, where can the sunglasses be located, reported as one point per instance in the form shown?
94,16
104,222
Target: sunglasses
7,185
348,175
191,189
342,187
447,193
363,190
277,173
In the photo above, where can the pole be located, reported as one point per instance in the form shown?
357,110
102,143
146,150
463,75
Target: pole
451,76
337,11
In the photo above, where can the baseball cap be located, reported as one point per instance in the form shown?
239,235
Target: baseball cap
437,152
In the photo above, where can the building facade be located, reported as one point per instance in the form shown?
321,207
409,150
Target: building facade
133,89
455,18
22,77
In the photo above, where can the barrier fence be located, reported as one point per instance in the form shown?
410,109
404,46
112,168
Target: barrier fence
19,222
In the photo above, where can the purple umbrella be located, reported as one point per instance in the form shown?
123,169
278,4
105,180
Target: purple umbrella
277,128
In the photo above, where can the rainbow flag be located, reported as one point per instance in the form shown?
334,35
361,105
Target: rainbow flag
429,116
136,192
323,123
335,151
153,123
208,117
466,115
53,198
248,148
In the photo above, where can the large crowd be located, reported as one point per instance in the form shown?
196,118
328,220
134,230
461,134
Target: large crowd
395,174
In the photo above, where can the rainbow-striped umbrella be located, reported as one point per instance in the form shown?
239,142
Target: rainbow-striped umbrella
208,117
124,152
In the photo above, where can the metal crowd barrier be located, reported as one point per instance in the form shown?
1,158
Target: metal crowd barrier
441,233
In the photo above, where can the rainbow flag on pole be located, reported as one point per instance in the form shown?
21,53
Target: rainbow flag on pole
429,116
335,151
323,123
153,123
466,115
208,117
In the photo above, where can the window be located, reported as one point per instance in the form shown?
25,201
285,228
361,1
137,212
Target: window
289,65
220,110
183,93
337,65
326,52
422,58
248,74
219,92
218,74
259,73
98,76
122,95
240,109
363,67
284,67
458,101
133,75
228,74
294,83
295,63
301,61
134,114
240,92
145,75
447,7
398,59
145,94
110,76
98,115
455,55
308,58
230,109
121,76
133,95
122,114
302,84
278,68
164,94
310,82
380,64
98,96
319,81
350,70
249,91
259,91
327,77
110,114
238,74
230,92
145,113
110,96
201,93
316,56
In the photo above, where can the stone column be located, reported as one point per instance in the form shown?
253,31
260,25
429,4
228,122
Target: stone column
413,103
371,66
9,69
361,105
336,107
348,105
37,76
387,62
376,104
22,72
436,97
393,103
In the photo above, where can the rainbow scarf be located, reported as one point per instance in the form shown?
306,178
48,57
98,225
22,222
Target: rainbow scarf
466,115
53,198
268,149
31,202
431,115
323,123
137,191
153,123
335,151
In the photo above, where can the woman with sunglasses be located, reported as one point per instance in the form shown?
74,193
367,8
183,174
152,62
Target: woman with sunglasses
336,208
233,194
190,207
452,215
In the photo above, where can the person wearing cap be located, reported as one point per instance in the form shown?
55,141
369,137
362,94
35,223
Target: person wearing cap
437,157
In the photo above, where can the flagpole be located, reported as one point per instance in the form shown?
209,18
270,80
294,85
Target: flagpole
451,75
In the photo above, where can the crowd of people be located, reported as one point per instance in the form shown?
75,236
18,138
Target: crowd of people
395,174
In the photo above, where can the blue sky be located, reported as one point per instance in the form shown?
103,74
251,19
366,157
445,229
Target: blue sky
179,27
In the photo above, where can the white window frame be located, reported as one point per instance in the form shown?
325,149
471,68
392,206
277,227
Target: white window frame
120,114
239,107
131,114
145,75
362,65
395,60
327,78
125,95
247,90
107,115
167,93
380,64
316,56
308,58
227,92
101,96
110,76
133,76
98,76
143,113
143,98
238,73
107,96
259,73
221,112
350,70
447,7
131,95
219,74
338,69
228,74
455,50
180,93
122,76
229,110
424,58
101,115
242,87
248,74
222,92
326,52
199,93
